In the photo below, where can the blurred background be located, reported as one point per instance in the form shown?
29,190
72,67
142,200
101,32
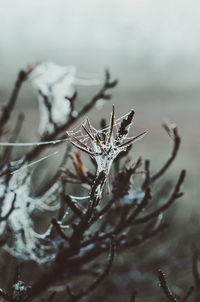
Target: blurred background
151,46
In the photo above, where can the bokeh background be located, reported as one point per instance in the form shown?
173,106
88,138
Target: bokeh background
151,46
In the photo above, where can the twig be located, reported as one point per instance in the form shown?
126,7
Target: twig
147,175
195,271
175,194
58,229
177,140
94,285
51,297
100,95
188,294
6,111
133,296
6,296
11,209
73,207
165,287
18,126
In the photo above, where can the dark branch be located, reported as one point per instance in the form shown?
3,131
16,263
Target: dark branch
175,194
7,153
10,211
59,231
6,296
188,294
73,207
177,140
59,129
99,280
51,297
6,111
195,271
165,287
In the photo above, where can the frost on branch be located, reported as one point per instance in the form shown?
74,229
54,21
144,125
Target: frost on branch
56,89
104,146
66,233
25,243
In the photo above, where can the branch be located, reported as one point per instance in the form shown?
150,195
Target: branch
172,131
73,207
108,84
133,296
11,209
195,271
58,229
165,287
147,176
6,111
142,237
95,284
51,297
59,129
188,294
175,194
18,126
6,296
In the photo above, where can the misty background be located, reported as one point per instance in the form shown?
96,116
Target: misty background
151,46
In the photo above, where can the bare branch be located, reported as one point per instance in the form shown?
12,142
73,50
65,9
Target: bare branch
96,283
6,111
58,229
176,138
165,287
188,294
195,271
175,194
11,209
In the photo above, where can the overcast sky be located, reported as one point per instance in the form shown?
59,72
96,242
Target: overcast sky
95,33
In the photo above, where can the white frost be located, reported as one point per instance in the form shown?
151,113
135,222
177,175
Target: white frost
56,83
25,243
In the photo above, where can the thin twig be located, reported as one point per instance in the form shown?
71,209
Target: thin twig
195,271
94,285
6,296
112,120
6,111
176,146
165,287
188,294
175,194
17,129
11,209
59,130
58,229
73,207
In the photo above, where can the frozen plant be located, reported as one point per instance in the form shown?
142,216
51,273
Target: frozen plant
77,230
55,85
104,147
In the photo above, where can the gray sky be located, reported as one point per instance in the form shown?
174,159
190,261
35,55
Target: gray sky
145,36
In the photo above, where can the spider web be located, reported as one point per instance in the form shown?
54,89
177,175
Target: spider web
77,132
